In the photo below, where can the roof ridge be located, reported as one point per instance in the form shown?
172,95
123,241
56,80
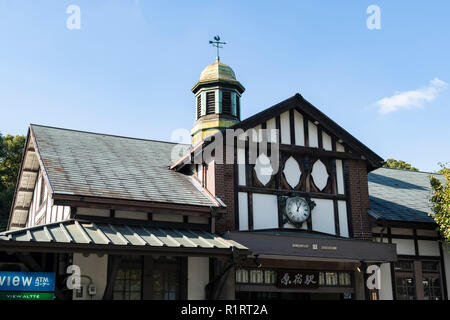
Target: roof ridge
409,171
104,134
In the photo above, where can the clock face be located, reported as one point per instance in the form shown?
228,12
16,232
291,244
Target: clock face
297,209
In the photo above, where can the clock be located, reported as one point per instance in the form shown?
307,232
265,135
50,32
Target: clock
297,210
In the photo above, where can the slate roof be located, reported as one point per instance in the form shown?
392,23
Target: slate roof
100,165
400,195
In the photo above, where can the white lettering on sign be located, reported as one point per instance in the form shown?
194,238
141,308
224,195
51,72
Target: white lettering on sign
328,247
300,245
15,281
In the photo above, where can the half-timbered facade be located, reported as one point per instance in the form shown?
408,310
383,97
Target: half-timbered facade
289,217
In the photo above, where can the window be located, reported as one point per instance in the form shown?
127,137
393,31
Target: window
333,279
345,279
210,102
431,280
41,193
241,276
405,288
270,277
128,283
199,106
405,281
256,276
226,102
166,279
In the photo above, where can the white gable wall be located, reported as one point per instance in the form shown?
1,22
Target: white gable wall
265,211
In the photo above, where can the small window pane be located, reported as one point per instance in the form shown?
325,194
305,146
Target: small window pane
345,279
269,277
321,279
430,266
404,265
331,278
256,276
405,288
432,288
242,276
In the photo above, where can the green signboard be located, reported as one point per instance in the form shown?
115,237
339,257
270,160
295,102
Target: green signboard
27,295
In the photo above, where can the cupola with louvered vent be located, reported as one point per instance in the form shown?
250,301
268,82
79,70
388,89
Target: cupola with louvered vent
217,95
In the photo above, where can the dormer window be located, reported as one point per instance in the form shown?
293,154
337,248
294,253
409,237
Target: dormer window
210,102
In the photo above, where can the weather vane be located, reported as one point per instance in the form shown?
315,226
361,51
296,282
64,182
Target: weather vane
216,43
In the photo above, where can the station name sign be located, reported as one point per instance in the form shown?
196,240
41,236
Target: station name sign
298,279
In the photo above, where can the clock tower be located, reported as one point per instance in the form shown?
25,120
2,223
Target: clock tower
217,98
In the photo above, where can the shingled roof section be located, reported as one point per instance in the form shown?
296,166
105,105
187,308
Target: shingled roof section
400,195
100,165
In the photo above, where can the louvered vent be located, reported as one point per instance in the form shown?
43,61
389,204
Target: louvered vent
226,102
210,102
199,106
238,107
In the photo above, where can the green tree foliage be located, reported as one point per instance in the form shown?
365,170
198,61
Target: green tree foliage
11,149
399,164
440,201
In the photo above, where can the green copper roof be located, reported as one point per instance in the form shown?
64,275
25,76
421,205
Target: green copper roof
400,195
74,232
218,72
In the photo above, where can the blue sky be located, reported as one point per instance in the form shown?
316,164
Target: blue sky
128,70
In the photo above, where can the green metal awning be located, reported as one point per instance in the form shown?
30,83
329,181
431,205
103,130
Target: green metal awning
87,236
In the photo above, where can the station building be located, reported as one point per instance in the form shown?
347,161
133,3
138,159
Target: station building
144,219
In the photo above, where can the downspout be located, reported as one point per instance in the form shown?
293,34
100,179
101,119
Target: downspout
214,288
213,219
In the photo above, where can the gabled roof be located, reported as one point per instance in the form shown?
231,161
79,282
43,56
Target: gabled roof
86,164
302,105
400,195
100,165
299,103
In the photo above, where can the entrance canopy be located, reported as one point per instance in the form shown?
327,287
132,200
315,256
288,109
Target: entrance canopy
90,237
316,246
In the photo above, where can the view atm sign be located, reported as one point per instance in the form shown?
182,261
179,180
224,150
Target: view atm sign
20,284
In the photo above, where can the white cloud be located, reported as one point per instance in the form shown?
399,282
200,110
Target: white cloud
411,99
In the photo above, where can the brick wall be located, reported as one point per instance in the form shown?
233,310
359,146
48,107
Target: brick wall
224,189
356,176
224,184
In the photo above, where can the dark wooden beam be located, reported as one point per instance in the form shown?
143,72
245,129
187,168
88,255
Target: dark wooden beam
131,205
318,152
287,192
292,126
250,210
